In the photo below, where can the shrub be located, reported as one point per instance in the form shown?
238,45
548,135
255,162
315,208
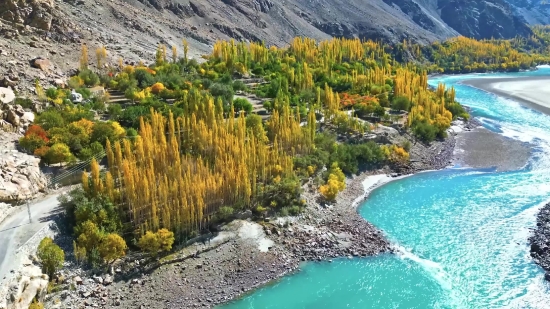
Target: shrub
115,110
149,243
25,103
406,145
152,243
242,104
239,85
222,90
401,103
224,213
336,182
425,131
89,78
112,247
50,119
36,305
166,239
157,88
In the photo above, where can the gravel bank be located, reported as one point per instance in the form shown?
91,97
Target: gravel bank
481,148
540,240
532,91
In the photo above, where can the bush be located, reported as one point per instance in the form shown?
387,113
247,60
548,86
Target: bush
50,256
86,94
25,103
36,305
50,119
401,103
242,104
336,182
52,93
115,110
424,131
239,85
149,243
112,247
406,145
224,213
89,78
152,243
222,90
284,193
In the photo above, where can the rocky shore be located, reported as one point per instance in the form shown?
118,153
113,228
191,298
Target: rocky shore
540,240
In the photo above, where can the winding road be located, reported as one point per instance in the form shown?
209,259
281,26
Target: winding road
16,230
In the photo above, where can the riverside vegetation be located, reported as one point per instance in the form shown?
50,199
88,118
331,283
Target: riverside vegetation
186,153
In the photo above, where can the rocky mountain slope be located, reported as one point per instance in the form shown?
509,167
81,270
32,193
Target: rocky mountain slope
533,11
131,29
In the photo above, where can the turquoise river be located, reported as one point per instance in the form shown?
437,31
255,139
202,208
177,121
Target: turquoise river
462,233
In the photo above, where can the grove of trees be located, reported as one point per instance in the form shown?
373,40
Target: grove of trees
187,153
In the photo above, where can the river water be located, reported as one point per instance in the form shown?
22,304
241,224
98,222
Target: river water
462,233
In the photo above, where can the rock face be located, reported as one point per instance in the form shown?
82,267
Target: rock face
535,12
16,117
483,19
35,13
540,240
31,283
20,175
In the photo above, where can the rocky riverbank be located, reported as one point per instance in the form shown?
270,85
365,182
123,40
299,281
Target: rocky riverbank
540,240
245,255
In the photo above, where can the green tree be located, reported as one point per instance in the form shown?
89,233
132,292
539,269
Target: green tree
59,153
89,236
103,131
50,119
242,104
51,256
401,103
115,110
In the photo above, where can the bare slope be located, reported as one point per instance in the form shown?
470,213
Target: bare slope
132,29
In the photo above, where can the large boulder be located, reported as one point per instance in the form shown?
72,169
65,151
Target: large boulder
26,119
41,63
6,95
28,284
76,97
13,118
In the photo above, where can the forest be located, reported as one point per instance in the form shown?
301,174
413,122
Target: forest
465,55
189,149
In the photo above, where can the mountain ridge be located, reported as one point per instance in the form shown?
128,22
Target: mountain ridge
132,29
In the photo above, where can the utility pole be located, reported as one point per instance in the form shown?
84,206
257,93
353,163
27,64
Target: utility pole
29,210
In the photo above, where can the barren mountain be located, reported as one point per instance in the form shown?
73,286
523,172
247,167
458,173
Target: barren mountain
133,28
